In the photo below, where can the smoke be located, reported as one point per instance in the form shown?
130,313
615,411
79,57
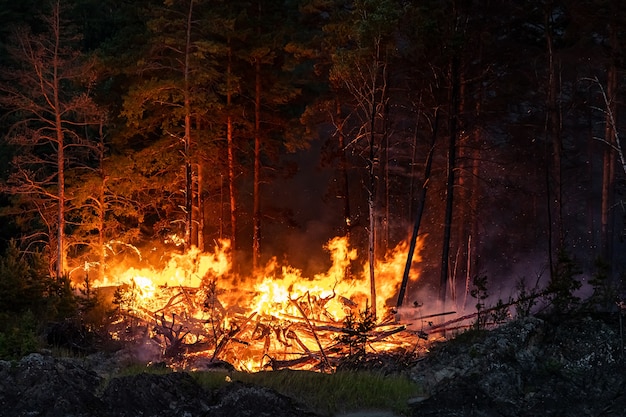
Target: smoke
307,216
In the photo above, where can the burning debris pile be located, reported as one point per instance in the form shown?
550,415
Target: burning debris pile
199,314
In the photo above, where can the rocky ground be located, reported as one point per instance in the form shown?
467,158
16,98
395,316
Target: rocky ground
568,366
43,386
529,367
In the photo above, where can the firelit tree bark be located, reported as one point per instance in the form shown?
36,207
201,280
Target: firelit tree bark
372,166
191,238
230,143
256,203
343,168
383,186
256,210
60,143
49,111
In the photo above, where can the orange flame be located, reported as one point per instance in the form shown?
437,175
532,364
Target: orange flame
274,296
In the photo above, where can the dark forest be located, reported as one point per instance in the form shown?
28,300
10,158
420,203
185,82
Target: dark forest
490,132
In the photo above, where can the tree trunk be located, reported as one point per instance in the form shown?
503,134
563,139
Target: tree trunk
256,215
411,200
421,203
372,227
60,142
190,239
553,130
371,201
451,167
199,225
231,152
609,156
459,231
384,162
102,207
345,186
60,269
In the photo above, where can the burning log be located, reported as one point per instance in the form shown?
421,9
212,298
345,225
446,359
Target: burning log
383,335
230,336
277,365
174,300
317,340
294,336
223,341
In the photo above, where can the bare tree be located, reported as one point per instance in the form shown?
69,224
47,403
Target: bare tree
363,73
49,108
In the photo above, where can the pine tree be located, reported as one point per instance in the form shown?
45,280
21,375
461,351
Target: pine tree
170,107
46,93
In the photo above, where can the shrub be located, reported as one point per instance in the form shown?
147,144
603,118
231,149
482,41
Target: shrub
480,293
526,298
355,331
604,292
563,284
22,281
19,335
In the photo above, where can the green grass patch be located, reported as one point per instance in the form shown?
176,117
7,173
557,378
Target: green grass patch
139,368
329,394
325,394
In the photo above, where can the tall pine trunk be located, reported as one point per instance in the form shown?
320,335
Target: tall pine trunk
60,143
199,210
231,151
256,215
102,206
609,155
553,133
190,237
419,212
376,100
372,221
383,186
451,168
345,185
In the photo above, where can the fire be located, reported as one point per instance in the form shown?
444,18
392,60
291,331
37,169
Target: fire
145,286
196,301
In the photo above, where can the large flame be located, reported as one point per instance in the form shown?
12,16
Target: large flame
277,306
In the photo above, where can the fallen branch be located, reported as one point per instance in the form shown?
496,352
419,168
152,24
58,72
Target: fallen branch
276,364
317,340
383,335
230,335
487,310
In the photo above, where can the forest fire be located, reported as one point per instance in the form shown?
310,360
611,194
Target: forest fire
198,312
